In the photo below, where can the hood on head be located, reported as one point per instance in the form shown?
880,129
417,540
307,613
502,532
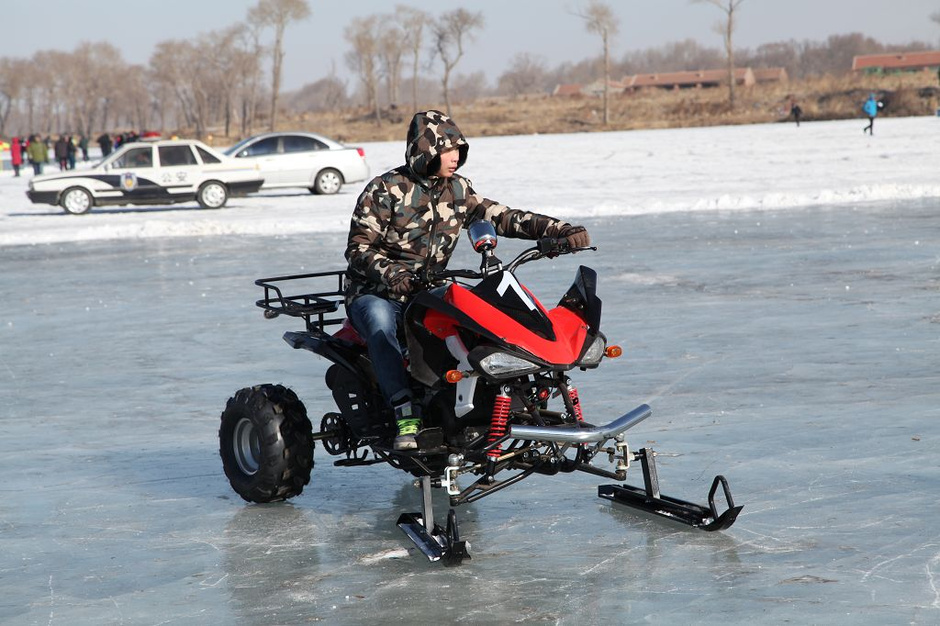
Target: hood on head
429,134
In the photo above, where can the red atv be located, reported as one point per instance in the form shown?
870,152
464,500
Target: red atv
489,365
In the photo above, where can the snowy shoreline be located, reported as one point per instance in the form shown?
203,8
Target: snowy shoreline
757,167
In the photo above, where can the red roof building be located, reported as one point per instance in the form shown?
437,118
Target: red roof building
896,62
696,79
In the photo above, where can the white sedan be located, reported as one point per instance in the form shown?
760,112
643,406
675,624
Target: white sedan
305,160
159,172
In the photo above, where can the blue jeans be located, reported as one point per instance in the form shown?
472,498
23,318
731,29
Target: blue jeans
377,320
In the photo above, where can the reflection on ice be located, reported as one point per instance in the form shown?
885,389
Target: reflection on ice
818,403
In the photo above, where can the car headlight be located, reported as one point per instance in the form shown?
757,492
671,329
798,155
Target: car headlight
503,365
594,354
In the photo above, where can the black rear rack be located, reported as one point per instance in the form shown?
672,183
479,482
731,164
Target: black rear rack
324,295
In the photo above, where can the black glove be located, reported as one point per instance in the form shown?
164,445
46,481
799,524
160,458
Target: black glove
577,236
402,284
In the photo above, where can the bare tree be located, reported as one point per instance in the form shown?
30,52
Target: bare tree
186,68
675,56
365,57
526,74
248,51
451,31
599,19
95,69
13,80
326,94
48,68
277,14
227,61
134,97
412,22
469,87
726,30
392,48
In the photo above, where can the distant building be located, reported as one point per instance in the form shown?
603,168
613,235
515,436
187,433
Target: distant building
896,62
700,79
570,89
597,87
696,79
771,75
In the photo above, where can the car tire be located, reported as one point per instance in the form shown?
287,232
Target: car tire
327,182
76,200
212,195
266,443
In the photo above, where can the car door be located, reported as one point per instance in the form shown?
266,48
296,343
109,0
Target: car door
266,153
304,156
179,169
137,175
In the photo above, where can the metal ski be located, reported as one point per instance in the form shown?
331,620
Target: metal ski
435,542
649,499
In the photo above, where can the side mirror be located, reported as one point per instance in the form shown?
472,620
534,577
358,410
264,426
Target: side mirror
482,235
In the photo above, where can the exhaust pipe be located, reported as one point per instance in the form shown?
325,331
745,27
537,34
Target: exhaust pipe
582,435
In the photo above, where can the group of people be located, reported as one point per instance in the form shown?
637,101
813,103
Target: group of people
36,150
109,143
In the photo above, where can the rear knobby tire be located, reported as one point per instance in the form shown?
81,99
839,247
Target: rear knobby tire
266,443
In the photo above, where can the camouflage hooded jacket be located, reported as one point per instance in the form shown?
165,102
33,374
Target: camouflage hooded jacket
408,219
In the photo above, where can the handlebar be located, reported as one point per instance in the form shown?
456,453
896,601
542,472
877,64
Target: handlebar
546,247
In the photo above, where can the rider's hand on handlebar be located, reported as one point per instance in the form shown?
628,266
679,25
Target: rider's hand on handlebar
577,236
402,284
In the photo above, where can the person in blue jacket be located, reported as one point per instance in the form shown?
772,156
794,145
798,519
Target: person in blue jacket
870,108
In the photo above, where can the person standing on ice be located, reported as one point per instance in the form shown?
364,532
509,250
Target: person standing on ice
407,222
795,111
38,153
16,155
870,108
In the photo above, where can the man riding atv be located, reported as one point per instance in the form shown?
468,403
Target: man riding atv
406,223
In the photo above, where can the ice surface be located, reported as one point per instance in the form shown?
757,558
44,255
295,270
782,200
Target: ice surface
766,166
793,349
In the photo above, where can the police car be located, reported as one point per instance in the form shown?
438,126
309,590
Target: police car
158,172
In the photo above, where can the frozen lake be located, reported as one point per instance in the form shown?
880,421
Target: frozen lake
794,351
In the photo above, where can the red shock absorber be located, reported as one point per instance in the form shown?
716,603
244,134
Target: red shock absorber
575,403
498,423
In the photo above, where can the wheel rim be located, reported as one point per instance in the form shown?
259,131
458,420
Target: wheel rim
213,195
329,182
76,201
247,447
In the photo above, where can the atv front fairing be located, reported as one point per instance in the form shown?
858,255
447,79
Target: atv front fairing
491,370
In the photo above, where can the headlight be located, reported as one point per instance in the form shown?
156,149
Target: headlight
594,354
502,365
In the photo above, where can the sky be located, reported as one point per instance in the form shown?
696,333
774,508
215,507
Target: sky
544,28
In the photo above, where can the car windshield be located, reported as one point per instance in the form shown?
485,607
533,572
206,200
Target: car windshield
234,149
